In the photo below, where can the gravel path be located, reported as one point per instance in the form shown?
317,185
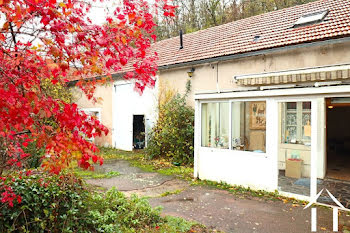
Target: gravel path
217,209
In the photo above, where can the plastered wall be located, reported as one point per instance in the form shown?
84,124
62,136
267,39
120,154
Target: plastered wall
219,76
104,95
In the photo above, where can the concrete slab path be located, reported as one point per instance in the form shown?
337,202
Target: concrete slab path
216,209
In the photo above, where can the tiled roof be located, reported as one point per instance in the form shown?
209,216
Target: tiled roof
274,28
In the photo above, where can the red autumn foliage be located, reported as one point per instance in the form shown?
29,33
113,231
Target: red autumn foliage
50,39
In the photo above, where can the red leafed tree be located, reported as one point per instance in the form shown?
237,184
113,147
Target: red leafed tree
55,40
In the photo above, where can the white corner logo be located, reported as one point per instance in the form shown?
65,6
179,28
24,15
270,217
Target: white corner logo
314,212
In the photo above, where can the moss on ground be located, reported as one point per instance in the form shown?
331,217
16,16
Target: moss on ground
138,159
243,192
88,174
168,193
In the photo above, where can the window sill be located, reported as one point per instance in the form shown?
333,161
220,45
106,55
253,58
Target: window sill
234,152
294,146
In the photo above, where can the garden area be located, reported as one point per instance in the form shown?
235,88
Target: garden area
66,203
47,153
35,199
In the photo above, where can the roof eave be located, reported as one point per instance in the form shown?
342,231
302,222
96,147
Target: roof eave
255,53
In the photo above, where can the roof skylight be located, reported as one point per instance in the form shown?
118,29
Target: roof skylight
311,18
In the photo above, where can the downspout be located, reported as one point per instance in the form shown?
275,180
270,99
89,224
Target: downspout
217,78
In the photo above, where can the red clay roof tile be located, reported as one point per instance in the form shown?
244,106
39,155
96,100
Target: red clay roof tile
274,28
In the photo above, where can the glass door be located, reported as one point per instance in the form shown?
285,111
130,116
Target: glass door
294,147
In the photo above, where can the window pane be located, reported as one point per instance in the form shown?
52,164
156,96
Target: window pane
223,136
215,125
291,105
291,118
306,128
249,126
296,123
291,134
306,105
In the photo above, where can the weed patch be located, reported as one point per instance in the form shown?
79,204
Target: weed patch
244,192
168,193
87,174
137,159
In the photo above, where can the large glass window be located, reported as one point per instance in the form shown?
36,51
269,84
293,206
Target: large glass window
249,126
215,125
296,123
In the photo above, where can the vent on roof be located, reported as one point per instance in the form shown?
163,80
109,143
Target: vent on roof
256,38
181,40
311,18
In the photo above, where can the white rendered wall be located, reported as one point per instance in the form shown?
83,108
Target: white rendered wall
257,170
237,168
126,103
249,169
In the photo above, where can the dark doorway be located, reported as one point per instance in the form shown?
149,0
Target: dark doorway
139,132
338,138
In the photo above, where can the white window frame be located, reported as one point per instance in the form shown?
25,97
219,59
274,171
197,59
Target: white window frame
313,17
230,101
99,116
89,110
299,122
200,117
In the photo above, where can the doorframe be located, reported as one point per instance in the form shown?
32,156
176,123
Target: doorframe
314,139
144,125
318,138
325,124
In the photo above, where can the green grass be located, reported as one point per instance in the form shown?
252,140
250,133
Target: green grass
137,159
87,174
175,224
168,193
111,153
244,192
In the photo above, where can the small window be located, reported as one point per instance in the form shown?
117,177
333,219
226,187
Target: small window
95,114
249,126
215,125
311,18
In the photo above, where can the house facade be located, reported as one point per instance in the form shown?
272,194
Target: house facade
271,96
128,115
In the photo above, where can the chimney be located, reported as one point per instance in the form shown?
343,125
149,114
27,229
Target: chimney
181,40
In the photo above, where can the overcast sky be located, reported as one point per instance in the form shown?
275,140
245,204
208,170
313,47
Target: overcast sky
100,10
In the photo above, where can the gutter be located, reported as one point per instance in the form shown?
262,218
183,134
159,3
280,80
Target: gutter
237,56
114,78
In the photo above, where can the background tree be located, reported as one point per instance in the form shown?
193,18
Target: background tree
194,15
52,41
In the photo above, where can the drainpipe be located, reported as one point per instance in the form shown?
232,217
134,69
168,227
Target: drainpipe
217,78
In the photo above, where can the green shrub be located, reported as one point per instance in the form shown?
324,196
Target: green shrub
113,212
61,203
48,204
173,135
